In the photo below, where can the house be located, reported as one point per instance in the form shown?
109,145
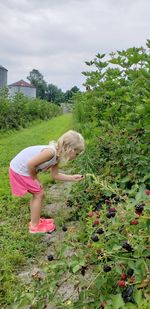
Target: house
23,87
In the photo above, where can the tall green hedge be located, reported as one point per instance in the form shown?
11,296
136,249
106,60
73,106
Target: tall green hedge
20,110
116,109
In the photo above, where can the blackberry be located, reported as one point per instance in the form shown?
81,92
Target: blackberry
139,208
106,268
129,299
130,272
64,228
94,237
100,231
50,257
113,213
83,269
127,292
127,246
110,214
127,295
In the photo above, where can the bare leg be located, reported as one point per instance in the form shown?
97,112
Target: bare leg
35,206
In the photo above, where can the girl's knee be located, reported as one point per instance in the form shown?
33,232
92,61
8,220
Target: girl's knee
40,194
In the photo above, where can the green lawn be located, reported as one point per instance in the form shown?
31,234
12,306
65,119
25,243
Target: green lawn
18,247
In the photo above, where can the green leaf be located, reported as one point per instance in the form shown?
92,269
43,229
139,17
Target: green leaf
125,179
140,195
117,301
76,268
138,297
116,248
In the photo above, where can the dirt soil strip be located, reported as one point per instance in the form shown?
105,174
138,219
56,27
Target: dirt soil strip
57,194
69,284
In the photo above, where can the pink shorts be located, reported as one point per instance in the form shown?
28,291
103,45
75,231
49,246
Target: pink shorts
20,185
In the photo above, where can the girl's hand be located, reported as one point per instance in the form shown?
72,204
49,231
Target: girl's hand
77,177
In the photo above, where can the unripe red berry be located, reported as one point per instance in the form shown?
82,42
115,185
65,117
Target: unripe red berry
147,192
123,276
112,209
122,283
96,222
134,222
103,304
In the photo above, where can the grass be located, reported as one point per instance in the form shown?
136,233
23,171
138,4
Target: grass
18,247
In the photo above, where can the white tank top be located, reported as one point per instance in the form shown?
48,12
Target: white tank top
19,164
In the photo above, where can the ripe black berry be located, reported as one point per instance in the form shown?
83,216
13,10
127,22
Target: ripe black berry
113,213
139,208
106,268
100,231
94,237
129,299
127,246
110,214
83,269
50,257
130,272
64,228
127,294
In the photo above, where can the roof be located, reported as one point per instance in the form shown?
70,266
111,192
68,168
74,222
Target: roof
22,83
1,67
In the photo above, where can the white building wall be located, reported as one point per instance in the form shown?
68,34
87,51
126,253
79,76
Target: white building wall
27,91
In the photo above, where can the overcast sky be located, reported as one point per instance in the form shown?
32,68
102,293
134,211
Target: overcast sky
58,36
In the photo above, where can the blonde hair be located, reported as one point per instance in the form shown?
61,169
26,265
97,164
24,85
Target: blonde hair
71,140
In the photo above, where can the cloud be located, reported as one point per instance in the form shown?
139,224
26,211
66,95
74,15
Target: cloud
57,37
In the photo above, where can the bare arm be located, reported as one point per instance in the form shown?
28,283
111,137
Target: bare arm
59,176
43,156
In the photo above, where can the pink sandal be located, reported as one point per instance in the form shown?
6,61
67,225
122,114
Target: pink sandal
42,227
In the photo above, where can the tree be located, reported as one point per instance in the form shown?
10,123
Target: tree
69,93
37,80
54,94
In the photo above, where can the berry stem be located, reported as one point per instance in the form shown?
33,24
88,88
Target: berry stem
94,280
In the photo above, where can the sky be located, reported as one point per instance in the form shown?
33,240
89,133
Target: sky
56,37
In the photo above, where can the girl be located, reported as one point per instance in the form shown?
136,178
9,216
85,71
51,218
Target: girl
24,169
